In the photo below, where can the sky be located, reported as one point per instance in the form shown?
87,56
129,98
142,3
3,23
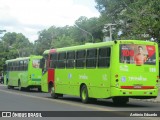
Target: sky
30,16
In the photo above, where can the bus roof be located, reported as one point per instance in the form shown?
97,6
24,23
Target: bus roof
24,58
49,51
46,52
101,44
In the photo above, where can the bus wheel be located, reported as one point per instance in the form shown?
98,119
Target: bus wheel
53,94
84,94
9,87
50,85
39,90
12,87
120,100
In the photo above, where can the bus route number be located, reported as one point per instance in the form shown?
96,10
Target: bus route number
127,53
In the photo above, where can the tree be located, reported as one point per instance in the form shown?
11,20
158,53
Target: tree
1,31
135,18
12,45
63,41
17,44
88,28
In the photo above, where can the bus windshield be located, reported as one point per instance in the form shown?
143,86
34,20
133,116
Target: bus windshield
36,63
137,54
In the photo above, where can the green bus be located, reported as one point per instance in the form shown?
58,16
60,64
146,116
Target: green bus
23,72
119,70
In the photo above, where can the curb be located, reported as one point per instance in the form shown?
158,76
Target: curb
156,100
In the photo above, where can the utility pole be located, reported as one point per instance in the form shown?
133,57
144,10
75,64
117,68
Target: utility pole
110,27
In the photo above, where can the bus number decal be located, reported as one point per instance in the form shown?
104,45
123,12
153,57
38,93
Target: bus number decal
152,69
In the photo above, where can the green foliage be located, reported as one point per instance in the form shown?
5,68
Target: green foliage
137,19
13,45
63,41
17,44
88,30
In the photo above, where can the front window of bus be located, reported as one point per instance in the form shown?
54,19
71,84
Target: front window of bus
137,54
36,63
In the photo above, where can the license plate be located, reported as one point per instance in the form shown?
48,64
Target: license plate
137,87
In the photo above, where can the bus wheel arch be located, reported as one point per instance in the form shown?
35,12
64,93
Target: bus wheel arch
50,85
84,93
7,81
8,86
19,85
53,94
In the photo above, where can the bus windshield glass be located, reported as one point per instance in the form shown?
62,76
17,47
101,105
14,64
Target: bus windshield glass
36,63
137,54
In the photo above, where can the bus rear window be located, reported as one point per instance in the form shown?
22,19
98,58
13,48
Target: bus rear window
36,63
137,54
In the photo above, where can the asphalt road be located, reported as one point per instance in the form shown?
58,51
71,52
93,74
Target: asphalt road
15,100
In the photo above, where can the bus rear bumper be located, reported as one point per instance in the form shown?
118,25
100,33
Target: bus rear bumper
135,93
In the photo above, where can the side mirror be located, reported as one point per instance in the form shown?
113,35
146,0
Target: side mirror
42,63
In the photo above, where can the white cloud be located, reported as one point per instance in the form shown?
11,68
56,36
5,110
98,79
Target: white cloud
31,16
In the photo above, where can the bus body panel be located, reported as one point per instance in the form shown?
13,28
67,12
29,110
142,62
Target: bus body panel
30,77
134,80
44,82
51,75
69,81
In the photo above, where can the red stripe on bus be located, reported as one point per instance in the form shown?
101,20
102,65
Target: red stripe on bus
137,87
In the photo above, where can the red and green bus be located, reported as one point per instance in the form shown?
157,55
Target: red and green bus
119,70
47,71
24,72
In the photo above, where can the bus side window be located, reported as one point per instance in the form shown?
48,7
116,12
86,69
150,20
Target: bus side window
13,66
104,57
53,60
21,65
10,67
25,65
61,60
70,62
18,66
42,63
80,58
91,58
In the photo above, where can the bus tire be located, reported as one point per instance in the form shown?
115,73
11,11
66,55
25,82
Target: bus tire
12,87
120,100
8,86
53,94
7,82
50,85
39,89
84,94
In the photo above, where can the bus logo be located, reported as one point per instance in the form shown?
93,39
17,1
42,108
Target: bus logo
123,79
